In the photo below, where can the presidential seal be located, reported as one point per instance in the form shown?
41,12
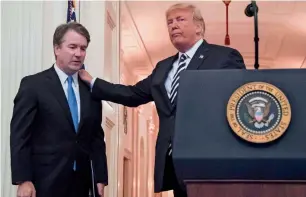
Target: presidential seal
258,112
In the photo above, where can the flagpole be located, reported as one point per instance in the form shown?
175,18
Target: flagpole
79,11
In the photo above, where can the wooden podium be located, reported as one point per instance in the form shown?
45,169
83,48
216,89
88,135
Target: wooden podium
213,161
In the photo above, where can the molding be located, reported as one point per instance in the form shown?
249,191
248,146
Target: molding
140,110
125,120
126,75
151,125
109,123
110,20
303,65
127,154
111,14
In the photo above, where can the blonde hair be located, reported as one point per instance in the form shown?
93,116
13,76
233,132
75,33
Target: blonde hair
197,16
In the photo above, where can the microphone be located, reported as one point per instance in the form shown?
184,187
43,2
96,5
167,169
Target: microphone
252,10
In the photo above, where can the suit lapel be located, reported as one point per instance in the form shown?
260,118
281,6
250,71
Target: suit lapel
164,70
198,58
55,86
84,102
200,55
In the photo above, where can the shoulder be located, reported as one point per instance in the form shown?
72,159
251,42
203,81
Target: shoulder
34,79
224,52
222,49
228,54
167,60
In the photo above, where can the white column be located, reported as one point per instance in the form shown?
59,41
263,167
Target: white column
92,16
101,18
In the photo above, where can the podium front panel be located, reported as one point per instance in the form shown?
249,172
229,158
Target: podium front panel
206,148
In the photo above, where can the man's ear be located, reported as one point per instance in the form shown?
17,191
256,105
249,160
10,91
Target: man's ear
199,28
56,49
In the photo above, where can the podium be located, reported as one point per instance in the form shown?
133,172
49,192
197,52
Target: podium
227,143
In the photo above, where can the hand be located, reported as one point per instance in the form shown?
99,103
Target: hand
85,76
26,189
100,187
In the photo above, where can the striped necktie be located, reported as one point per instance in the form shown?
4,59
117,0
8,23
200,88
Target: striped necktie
175,83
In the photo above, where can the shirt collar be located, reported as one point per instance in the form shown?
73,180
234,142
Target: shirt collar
190,53
63,76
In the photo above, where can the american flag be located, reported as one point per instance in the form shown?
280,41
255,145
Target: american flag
71,11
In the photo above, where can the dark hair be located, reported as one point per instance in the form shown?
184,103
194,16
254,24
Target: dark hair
62,29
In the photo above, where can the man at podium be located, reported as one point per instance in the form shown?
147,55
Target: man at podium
186,29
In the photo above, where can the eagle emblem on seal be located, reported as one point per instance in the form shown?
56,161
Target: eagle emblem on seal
258,109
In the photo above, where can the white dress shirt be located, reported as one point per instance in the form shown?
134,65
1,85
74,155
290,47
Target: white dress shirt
75,85
190,53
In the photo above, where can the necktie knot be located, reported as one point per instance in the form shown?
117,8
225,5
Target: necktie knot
183,57
70,80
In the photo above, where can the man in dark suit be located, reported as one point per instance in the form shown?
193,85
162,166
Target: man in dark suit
57,143
186,30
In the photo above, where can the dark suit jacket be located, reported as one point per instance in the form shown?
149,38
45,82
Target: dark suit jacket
44,143
153,89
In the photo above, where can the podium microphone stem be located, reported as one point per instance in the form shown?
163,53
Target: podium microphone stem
256,38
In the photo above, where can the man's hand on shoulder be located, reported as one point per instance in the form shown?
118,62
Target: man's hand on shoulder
85,76
26,189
